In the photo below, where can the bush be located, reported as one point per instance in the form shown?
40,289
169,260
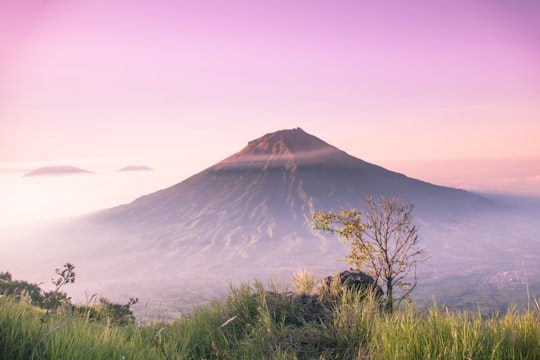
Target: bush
20,290
119,314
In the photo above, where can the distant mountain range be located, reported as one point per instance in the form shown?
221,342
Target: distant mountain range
57,170
135,168
72,170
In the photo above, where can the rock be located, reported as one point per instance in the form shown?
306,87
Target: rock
352,280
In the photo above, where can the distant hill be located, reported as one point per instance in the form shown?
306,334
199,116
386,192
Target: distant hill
135,168
57,170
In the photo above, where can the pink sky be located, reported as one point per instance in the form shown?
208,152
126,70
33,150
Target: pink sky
184,84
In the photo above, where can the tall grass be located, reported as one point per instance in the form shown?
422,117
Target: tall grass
258,323
305,281
442,335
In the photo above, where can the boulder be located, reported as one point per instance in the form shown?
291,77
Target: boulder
352,280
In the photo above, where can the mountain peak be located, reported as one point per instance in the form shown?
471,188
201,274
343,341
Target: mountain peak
288,141
289,147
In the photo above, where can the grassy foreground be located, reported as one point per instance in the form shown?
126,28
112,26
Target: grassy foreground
254,323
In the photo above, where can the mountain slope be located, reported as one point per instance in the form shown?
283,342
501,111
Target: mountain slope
259,202
288,174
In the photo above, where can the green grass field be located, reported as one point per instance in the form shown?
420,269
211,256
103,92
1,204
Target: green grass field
256,323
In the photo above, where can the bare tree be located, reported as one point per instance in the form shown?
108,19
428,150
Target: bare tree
385,247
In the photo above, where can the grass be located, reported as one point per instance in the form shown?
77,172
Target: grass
305,281
258,323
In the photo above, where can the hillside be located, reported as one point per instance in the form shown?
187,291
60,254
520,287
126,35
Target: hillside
260,323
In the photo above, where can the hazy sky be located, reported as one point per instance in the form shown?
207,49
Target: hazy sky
187,83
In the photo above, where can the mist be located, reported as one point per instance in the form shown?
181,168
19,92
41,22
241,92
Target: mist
29,200
502,249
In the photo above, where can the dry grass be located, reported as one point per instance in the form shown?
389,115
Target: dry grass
305,281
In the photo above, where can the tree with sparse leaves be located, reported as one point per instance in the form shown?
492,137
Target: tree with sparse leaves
385,247
53,299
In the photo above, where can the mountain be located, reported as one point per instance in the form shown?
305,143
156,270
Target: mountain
135,168
276,183
57,170
250,214
258,204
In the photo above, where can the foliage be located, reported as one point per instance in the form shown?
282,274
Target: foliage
53,299
20,290
119,314
5,276
65,276
50,300
385,247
